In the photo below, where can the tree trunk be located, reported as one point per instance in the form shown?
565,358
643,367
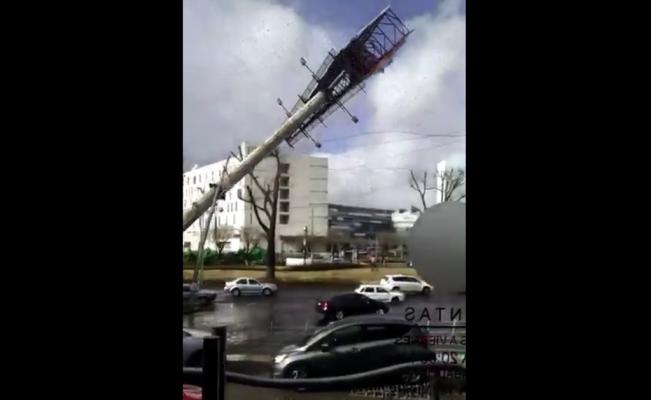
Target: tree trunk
271,255
271,242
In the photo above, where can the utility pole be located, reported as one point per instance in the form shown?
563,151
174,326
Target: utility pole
228,180
198,271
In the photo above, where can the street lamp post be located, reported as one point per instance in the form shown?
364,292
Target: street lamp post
305,245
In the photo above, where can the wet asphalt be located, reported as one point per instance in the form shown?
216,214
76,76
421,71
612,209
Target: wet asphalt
258,327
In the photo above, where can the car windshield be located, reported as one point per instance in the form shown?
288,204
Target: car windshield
314,334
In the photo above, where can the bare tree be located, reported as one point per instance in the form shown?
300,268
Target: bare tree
221,236
451,180
251,236
265,207
421,186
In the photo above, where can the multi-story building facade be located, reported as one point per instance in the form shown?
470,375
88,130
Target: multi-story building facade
302,200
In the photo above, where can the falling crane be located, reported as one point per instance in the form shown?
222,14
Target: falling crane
339,78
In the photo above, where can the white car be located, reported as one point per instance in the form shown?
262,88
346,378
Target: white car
406,284
249,287
377,292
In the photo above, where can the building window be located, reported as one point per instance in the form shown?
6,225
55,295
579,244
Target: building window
250,217
284,181
235,206
284,194
284,219
194,179
284,206
284,168
239,193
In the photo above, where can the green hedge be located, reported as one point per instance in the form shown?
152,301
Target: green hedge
211,257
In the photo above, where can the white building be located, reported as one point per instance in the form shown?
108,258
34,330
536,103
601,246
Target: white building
302,200
404,220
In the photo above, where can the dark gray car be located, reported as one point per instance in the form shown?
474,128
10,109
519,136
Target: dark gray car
193,347
350,346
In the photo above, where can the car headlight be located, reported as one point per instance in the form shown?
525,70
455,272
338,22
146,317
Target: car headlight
280,358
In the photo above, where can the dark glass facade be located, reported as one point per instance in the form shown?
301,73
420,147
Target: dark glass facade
358,222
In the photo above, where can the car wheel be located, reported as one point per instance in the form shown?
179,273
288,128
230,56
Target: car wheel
297,373
235,292
339,315
395,300
379,311
426,290
266,292
395,289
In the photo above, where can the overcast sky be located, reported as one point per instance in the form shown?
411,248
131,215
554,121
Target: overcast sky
240,55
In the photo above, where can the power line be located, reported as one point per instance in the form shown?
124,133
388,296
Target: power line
388,142
451,134
364,165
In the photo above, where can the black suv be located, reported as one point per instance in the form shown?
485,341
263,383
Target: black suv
344,305
354,345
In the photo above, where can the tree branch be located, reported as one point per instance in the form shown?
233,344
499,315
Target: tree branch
255,209
250,200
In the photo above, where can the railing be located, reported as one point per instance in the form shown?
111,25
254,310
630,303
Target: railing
212,376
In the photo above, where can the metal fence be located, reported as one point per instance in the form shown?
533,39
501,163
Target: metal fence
213,376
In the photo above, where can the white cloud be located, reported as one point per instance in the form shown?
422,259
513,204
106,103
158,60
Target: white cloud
240,55
423,91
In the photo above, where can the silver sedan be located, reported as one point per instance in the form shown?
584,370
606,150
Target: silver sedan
249,287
